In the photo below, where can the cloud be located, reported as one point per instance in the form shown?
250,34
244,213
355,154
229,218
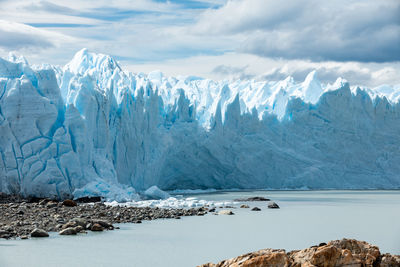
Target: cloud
58,25
192,4
16,36
232,72
105,13
360,74
138,31
327,74
38,45
51,7
246,66
224,69
366,31
216,39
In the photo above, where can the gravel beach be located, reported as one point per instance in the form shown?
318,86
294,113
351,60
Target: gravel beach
25,218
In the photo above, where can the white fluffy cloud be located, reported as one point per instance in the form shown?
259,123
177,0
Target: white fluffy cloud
246,66
20,37
344,30
218,39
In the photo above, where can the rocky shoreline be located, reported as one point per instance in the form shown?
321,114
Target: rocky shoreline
36,217
337,253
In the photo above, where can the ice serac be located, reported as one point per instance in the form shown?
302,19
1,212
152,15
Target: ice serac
91,128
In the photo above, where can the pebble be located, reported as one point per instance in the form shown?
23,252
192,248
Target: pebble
20,212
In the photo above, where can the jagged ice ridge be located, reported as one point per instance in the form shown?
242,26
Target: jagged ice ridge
91,128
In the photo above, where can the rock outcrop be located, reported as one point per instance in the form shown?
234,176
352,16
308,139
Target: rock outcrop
345,252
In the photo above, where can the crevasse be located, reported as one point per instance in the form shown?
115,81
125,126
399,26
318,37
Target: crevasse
91,128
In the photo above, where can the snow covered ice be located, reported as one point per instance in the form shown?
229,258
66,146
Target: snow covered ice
91,128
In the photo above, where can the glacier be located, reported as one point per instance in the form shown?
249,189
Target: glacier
90,128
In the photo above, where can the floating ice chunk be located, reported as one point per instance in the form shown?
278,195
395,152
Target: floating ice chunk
172,202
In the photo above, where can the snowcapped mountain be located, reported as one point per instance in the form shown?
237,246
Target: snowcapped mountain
91,128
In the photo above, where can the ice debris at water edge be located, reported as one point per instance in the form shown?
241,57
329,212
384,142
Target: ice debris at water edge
91,128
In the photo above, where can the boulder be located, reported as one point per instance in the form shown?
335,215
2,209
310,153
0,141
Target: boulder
68,231
251,199
97,228
79,221
366,253
261,258
103,223
225,212
39,233
388,260
4,234
244,206
69,203
338,253
256,209
69,224
273,205
79,229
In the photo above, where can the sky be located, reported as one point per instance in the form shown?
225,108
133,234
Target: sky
217,39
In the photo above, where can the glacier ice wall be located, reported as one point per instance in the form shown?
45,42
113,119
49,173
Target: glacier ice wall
91,128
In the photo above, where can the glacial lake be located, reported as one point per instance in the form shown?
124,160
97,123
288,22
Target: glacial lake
305,218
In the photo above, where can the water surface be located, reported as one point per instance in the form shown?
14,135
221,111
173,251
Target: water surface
306,218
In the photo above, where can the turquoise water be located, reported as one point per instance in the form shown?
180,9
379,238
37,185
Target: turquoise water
305,218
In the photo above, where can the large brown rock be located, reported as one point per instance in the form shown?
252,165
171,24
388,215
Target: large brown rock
261,258
388,260
345,252
69,203
326,256
364,252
